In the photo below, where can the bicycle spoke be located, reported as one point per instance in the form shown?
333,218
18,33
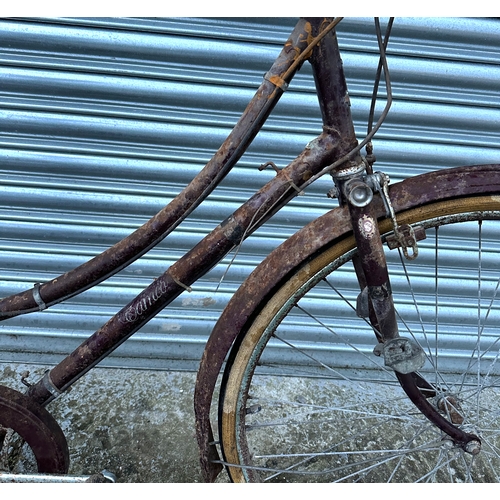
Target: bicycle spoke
436,303
479,330
429,355
356,424
355,348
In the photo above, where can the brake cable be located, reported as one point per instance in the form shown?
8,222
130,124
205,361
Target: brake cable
371,131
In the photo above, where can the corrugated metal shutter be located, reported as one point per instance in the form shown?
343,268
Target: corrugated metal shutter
103,121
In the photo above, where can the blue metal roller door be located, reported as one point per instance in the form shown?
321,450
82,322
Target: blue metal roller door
103,121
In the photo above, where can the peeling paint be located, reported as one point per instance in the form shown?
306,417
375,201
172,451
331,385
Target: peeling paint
203,302
170,327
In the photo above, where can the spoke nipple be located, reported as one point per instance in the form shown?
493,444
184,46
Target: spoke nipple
447,442
333,193
473,447
253,409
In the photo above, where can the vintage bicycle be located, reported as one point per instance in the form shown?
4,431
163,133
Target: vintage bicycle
355,299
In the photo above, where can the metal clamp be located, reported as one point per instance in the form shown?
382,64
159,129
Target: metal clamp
38,298
276,80
402,355
49,385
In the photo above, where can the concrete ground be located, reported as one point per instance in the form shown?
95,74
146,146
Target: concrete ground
136,424
139,425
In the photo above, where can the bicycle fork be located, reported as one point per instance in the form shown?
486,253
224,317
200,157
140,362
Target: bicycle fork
375,302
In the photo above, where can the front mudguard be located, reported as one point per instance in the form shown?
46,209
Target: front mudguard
416,191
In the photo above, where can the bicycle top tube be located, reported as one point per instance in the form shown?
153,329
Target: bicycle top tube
150,234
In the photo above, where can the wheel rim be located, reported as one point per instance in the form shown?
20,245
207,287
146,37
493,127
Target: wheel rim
37,428
387,455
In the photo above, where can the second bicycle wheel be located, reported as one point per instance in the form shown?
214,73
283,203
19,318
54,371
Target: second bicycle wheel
305,399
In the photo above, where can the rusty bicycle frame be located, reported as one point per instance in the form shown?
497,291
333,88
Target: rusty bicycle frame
312,39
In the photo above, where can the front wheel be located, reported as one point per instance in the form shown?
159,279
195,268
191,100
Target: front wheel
304,398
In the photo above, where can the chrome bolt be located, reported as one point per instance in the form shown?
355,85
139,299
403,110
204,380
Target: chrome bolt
253,409
473,447
333,193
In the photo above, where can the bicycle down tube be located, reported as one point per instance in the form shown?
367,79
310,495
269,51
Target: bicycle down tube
335,142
